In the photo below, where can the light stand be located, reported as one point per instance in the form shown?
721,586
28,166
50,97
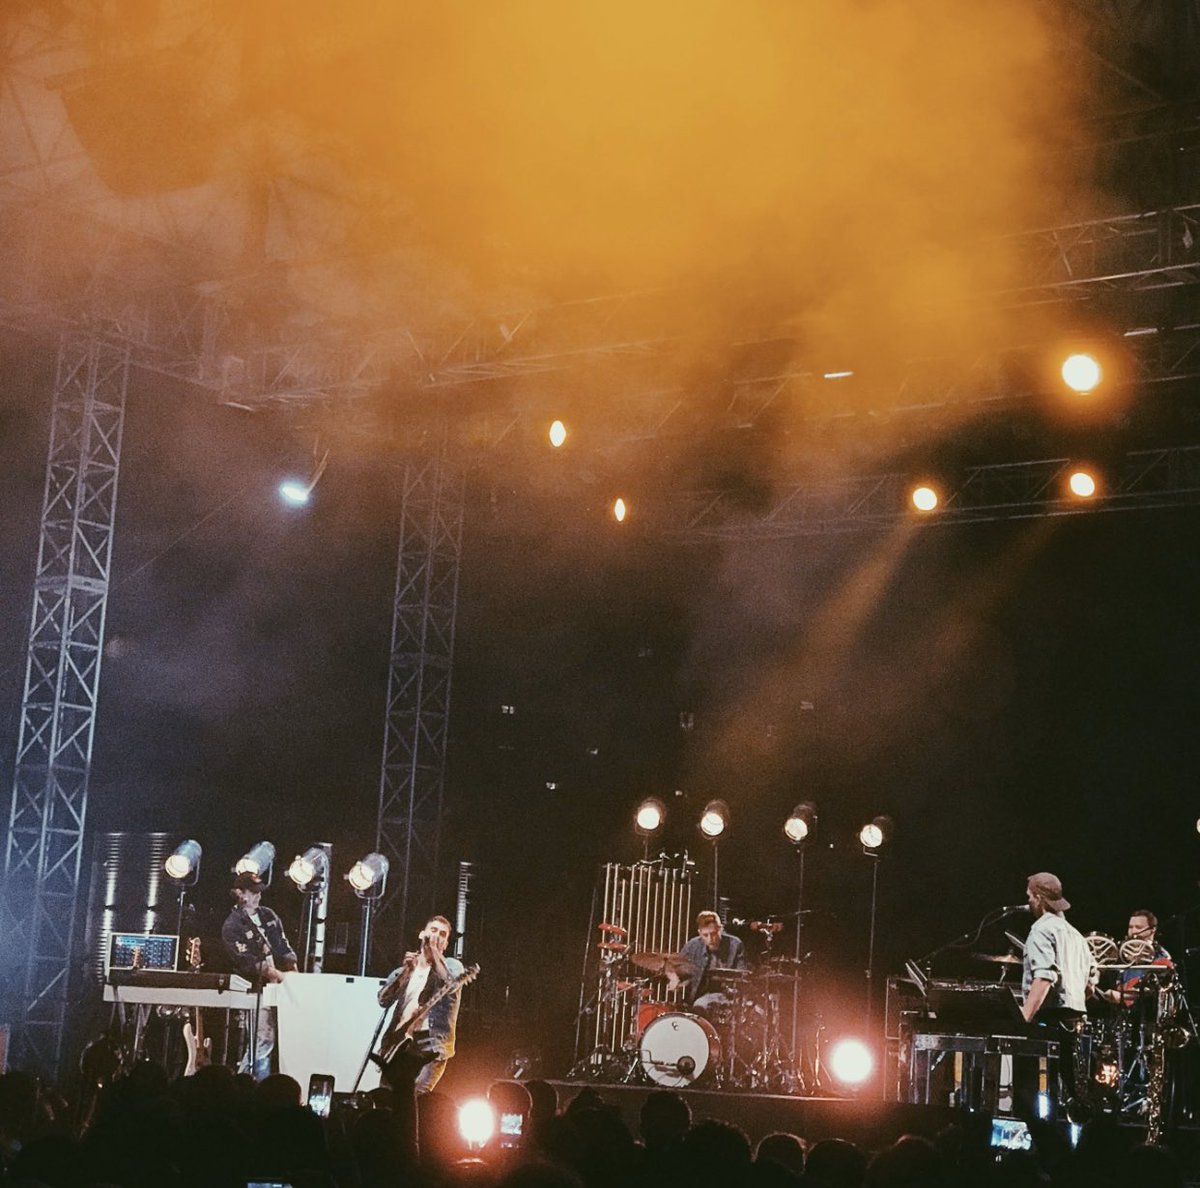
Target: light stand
310,873
871,940
368,878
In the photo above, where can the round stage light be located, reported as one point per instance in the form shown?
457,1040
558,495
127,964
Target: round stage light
851,1061
184,861
368,873
1082,484
799,826
924,498
294,492
619,510
309,869
715,819
257,860
476,1122
874,834
1081,373
650,816
558,434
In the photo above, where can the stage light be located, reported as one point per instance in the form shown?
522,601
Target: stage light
558,434
876,833
310,869
1081,484
851,1062
924,498
1081,373
649,817
257,860
368,874
799,826
619,510
294,492
714,820
184,864
476,1122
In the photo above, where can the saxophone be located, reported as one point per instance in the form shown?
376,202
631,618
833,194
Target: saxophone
1156,1080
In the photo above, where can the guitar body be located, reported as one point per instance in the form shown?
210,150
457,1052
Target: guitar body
199,1046
406,1048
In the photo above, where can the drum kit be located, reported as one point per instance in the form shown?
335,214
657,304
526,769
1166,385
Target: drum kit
736,1043
1149,1015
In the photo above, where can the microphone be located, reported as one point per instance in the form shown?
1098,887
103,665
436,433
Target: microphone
1015,909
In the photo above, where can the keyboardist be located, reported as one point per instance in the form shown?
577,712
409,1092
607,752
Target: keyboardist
259,950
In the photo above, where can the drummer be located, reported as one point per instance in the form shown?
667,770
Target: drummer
1141,942
711,949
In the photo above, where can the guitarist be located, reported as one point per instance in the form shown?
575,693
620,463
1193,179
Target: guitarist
417,979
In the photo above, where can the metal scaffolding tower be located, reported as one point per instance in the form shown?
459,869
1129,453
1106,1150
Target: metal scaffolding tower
44,846
418,700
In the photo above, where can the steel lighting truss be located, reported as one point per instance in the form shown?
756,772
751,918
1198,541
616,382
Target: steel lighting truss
417,719
54,749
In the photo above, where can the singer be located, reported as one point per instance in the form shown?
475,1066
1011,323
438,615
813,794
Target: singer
413,983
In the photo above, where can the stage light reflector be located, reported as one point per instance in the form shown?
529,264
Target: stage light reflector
876,833
1081,373
257,860
619,510
800,825
649,817
308,869
294,492
1082,484
851,1061
558,434
924,498
715,819
476,1122
184,862
368,873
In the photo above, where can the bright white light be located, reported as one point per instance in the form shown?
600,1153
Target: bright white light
367,872
294,492
796,829
1082,484
476,1122
619,511
1043,1105
871,836
838,374
183,861
1081,373
924,498
649,816
558,434
714,819
851,1061
257,860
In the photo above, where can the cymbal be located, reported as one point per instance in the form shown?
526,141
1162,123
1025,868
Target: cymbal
999,958
612,946
662,963
612,928
729,975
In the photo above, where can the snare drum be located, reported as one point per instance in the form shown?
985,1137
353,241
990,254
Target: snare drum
676,1050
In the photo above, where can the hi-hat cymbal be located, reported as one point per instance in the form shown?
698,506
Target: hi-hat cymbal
662,963
999,958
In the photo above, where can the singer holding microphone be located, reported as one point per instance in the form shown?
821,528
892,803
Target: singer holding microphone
416,980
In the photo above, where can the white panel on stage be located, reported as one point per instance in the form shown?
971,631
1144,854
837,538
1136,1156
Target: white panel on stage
326,1022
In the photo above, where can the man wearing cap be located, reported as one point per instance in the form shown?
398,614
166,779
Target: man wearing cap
1060,971
259,950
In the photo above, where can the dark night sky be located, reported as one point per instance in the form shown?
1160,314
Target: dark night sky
1018,696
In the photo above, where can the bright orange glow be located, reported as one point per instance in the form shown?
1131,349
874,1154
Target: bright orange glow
1082,484
558,434
924,498
1081,373
851,1061
620,511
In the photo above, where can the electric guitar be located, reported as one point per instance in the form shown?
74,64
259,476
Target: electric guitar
199,1046
400,1045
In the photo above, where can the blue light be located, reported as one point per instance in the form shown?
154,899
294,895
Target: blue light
294,492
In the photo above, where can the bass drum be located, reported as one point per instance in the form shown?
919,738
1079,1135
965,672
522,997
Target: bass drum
676,1050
